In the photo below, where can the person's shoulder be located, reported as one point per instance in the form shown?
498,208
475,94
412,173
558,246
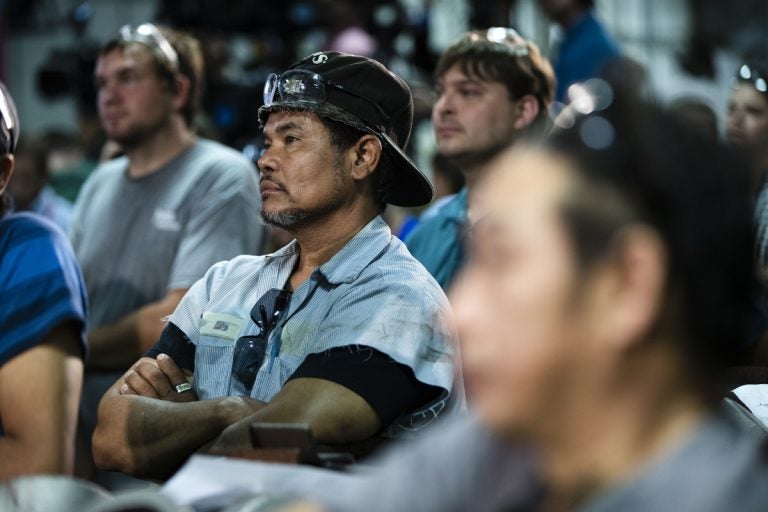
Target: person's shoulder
109,168
23,225
216,152
398,271
36,246
600,38
212,164
110,171
452,209
235,270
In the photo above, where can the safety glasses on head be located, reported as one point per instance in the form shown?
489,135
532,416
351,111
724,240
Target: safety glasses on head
507,38
150,36
8,119
305,86
754,77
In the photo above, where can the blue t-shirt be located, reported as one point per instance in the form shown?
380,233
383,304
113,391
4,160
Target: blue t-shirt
585,48
437,242
40,284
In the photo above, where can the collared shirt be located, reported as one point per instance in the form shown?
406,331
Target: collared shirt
437,241
371,292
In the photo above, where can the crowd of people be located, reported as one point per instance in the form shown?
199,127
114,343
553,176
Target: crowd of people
561,331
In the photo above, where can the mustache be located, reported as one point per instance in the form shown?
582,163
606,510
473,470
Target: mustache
273,182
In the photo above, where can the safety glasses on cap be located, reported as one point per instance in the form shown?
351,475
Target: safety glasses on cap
307,86
506,37
150,35
751,75
8,120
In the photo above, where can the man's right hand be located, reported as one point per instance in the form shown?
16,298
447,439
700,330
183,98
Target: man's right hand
157,378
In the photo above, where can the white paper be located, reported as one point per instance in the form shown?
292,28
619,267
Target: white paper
755,396
210,478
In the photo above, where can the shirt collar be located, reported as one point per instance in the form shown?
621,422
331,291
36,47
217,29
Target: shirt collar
347,264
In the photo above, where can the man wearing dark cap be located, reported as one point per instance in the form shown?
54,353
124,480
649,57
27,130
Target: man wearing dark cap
342,329
42,331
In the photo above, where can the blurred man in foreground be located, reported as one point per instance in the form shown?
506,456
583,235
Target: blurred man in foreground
609,274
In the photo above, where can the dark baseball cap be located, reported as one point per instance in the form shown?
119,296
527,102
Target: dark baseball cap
9,122
361,93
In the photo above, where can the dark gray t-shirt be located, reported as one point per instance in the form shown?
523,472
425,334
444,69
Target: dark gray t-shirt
138,238
719,467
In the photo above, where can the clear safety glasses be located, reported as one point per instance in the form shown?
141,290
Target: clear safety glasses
751,75
149,35
8,119
304,85
507,37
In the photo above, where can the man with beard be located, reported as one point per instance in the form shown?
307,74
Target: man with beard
148,225
493,87
342,329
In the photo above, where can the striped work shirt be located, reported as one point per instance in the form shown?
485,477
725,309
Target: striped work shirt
372,292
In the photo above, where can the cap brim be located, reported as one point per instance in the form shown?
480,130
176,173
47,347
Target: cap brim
410,187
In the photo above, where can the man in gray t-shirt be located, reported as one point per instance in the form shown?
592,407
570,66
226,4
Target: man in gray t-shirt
149,224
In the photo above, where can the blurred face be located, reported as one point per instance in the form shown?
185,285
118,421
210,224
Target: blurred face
559,10
747,118
302,174
521,312
134,103
473,119
27,181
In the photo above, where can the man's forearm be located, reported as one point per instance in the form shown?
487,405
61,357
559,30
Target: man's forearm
117,345
18,458
114,346
147,437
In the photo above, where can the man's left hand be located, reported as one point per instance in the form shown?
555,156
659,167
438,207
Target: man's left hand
160,379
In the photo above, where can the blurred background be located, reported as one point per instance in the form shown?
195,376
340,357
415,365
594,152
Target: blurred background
48,48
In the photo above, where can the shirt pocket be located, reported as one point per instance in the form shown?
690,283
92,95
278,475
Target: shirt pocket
213,366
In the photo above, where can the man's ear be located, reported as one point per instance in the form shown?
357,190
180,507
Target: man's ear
6,171
526,111
633,288
365,156
181,91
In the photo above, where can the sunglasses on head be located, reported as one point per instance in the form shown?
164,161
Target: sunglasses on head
250,350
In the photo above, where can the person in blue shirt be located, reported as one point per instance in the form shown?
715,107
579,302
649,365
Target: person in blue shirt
42,331
585,46
493,88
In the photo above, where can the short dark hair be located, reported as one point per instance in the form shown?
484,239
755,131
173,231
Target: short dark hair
344,137
693,191
191,65
480,58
